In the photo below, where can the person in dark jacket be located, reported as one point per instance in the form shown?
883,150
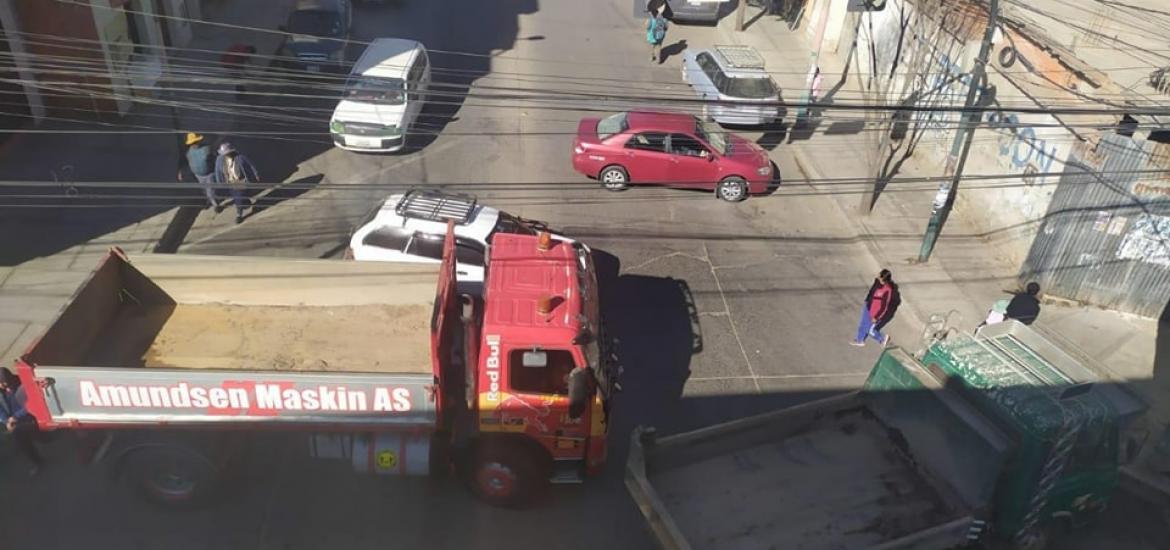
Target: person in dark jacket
200,160
1025,307
16,420
235,170
881,303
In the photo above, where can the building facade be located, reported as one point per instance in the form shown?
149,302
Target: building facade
85,59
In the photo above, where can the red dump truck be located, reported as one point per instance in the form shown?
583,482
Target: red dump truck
166,363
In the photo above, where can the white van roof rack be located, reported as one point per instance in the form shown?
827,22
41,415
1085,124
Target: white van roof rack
741,57
436,206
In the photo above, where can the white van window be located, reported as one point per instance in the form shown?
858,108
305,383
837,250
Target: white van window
370,89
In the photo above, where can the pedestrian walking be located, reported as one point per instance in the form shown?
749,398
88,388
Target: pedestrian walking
656,34
881,303
236,171
199,159
235,62
815,84
16,421
1025,306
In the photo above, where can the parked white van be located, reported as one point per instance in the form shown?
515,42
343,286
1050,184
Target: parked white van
383,96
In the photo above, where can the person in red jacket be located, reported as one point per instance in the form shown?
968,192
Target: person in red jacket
880,304
235,61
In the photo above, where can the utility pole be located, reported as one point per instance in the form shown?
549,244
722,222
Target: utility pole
944,201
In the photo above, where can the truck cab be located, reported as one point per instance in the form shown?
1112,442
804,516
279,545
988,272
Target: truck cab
544,383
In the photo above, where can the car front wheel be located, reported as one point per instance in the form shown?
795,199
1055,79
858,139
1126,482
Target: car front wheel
733,189
614,178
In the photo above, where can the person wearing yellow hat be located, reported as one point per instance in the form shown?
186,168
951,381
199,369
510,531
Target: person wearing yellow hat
199,158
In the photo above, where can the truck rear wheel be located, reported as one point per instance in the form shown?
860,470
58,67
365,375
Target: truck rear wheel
505,475
172,476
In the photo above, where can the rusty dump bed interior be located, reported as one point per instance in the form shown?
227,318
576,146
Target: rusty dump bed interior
257,314
838,482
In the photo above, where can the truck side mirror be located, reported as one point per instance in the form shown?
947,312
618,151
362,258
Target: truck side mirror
578,392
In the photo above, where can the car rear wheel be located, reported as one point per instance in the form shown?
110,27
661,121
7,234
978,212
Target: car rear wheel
733,189
614,178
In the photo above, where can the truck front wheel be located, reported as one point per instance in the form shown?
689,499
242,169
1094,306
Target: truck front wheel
505,475
172,476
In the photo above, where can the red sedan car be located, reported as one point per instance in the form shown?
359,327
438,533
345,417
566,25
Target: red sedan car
669,149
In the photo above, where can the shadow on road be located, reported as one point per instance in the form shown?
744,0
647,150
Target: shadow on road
461,53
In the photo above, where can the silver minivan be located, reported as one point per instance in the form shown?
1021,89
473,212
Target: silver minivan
726,75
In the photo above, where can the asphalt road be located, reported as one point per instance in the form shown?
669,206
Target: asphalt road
722,310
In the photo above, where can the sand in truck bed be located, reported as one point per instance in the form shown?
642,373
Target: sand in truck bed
367,338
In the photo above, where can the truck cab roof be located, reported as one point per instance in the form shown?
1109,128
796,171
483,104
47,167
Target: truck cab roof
522,275
1027,382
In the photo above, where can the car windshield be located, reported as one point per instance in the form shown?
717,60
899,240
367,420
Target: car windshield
751,88
375,90
315,22
612,125
712,135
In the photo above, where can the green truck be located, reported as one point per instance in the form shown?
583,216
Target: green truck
1001,435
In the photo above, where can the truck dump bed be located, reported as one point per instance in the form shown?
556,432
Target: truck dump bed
832,473
140,336
840,484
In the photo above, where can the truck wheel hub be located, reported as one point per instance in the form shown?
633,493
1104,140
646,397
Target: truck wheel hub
496,479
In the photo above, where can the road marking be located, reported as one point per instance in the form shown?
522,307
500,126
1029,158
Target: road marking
731,320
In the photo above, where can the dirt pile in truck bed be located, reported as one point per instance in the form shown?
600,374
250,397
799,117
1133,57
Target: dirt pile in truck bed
370,338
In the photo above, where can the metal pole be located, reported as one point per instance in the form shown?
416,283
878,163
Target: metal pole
739,14
944,201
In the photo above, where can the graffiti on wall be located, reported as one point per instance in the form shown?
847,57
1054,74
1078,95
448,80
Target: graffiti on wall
1020,145
1148,240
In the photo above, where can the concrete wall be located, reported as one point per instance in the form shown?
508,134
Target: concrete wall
179,29
21,61
86,63
60,23
931,66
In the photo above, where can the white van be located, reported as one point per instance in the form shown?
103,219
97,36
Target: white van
383,96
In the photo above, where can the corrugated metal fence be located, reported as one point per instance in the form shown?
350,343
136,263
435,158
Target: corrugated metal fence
1106,237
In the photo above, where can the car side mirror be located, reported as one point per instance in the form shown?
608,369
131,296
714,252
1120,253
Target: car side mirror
578,392
710,157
